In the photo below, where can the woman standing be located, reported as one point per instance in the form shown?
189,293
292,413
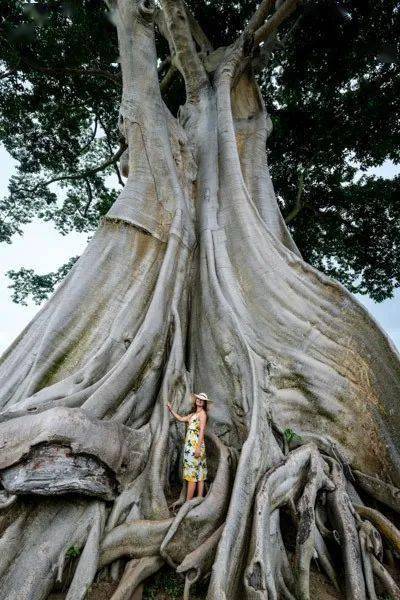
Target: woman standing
194,453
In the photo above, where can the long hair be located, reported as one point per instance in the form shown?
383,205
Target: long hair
205,405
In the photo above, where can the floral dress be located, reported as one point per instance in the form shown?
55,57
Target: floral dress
194,469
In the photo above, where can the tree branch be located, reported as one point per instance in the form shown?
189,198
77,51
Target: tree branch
198,34
111,149
242,49
283,12
260,15
168,78
86,173
90,197
8,73
115,79
299,205
92,136
183,49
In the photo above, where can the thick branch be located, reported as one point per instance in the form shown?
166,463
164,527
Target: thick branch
183,47
92,136
260,15
283,12
198,34
168,78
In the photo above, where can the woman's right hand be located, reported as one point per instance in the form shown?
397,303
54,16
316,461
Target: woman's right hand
169,407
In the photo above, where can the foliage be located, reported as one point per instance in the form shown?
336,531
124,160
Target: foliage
26,282
58,110
291,436
72,552
331,87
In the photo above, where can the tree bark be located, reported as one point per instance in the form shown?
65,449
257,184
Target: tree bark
193,280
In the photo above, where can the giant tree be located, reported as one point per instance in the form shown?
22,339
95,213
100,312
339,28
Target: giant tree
193,280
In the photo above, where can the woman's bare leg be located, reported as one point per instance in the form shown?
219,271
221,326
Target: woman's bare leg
200,488
191,486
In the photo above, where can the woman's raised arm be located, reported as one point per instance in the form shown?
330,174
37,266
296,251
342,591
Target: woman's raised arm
179,417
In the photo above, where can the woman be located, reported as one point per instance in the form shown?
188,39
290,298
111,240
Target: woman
194,454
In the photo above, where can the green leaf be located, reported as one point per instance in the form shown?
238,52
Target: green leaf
291,436
73,552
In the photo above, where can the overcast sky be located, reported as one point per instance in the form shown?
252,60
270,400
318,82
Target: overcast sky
44,249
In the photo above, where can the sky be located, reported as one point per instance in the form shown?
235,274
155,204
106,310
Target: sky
43,249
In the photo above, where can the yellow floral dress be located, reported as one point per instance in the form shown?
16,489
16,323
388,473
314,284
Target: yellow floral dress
194,469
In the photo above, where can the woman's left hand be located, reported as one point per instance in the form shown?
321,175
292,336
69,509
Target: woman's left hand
197,452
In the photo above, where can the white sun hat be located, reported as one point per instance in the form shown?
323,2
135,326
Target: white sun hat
203,396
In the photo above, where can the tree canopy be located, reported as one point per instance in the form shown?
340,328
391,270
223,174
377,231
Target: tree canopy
331,84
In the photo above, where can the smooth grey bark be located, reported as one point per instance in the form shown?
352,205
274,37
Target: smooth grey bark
193,279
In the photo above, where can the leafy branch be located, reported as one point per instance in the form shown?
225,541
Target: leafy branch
83,174
26,282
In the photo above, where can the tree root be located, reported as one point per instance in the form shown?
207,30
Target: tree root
199,562
385,527
87,565
310,484
36,544
135,572
385,578
6,499
384,492
136,540
268,569
301,482
370,544
343,519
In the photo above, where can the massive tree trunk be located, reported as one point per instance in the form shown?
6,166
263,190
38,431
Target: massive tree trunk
193,280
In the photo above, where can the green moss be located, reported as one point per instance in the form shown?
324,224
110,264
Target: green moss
74,356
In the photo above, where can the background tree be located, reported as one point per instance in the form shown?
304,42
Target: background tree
193,279
330,83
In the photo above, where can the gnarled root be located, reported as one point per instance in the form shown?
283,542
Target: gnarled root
135,572
343,519
198,563
323,505
302,481
87,565
34,547
136,540
385,578
380,490
268,568
385,527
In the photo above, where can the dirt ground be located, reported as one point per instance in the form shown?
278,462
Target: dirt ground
167,585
